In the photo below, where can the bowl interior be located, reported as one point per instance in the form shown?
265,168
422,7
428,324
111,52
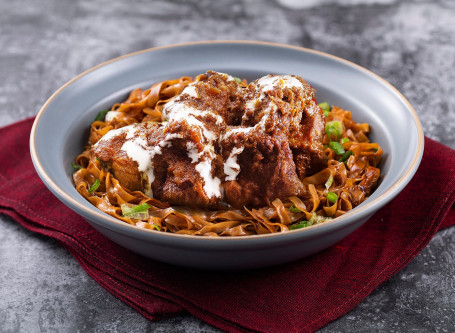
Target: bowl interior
62,125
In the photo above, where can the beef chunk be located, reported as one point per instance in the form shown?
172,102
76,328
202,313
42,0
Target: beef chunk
259,168
221,141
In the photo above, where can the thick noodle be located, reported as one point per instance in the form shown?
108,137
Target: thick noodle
352,180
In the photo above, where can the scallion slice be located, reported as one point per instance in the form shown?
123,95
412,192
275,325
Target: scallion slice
76,166
136,212
329,182
336,147
238,80
332,197
333,134
101,115
344,140
302,224
294,209
156,227
94,186
334,124
316,219
334,129
325,107
345,156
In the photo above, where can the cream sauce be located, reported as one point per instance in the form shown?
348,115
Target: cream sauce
231,167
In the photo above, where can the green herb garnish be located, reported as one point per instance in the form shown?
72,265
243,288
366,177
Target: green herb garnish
344,140
329,182
334,129
101,115
136,212
332,197
76,166
325,106
156,227
336,147
294,209
94,186
334,124
302,224
238,80
345,156
316,219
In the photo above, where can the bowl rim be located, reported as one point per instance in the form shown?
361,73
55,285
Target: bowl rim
114,224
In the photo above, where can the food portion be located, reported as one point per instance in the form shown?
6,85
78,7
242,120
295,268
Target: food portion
218,156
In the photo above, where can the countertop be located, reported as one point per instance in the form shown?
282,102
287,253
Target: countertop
46,43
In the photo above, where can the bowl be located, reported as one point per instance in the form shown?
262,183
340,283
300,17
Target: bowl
60,132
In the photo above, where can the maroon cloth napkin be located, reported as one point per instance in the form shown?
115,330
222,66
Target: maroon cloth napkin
297,297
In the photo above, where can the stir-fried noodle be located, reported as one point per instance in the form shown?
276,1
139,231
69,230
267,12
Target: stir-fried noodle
347,180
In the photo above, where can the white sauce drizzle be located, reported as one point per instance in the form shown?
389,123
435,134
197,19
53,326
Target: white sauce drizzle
211,184
193,153
177,110
111,115
190,90
269,82
231,167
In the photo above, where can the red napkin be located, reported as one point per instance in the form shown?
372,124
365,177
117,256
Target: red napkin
298,297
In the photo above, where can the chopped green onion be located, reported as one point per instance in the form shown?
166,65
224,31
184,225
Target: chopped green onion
329,182
345,156
294,209
344,140
238,80
336,147
101,115
312,218
334,124
139,212
332,133
332,197
316,219
325,107
326,113
156,227
94,186
334,129
76,166
98,159
302,224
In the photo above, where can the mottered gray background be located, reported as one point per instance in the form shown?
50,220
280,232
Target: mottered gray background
45,43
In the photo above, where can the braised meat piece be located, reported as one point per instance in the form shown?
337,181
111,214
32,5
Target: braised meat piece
144,158
286,105
259,168
177,162
126,153
221,94
222,142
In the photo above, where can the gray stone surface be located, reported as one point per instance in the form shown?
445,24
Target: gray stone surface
45,43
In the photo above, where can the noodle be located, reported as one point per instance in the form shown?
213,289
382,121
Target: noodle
347,182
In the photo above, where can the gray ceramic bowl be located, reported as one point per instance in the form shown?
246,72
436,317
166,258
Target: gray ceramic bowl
60,132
